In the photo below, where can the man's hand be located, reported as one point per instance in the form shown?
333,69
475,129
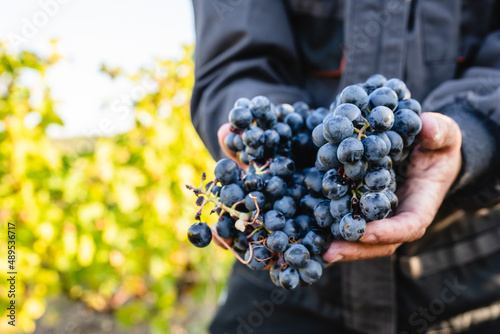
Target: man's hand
433,168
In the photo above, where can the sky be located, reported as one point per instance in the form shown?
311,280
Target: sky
125,33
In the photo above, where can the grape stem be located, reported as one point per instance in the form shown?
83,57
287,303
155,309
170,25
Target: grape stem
229,248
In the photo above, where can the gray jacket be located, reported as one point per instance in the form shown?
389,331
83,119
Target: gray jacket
448,53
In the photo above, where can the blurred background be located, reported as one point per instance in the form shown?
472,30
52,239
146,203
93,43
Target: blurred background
96,146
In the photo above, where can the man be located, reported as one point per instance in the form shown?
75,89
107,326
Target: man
435,266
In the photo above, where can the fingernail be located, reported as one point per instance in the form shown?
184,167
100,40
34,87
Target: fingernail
338,258
437,135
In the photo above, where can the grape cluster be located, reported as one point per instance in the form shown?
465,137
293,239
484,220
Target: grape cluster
314,176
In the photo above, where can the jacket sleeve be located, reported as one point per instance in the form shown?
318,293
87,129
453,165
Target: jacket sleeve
473,101
243,49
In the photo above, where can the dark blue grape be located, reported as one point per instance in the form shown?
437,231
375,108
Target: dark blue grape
398,86
277,242
312,182
307,204
254,153
383,136
268,120
340,207
282,167
375,206
240,118
357,170
274,220
375,148
407,141
383,96
243,157
352,228
242,102
317,136
253,182
225,227
282,110
377,179
311,273
292,229
376,80
350,151
301,108
261,257
238,143
322,214
337,129
334,186
227,171
297,255
200,235
407,123
397,144
319,166
296,191
381,118
285,205
274,273
259,106
231,194
250,202
392,198
335,229
229,142
411,104
240,241
315,242
385,162
327,156
306,222
348,110
253,137
355,95
295,121
289,278
284,131
314,119
259,235
272,138
275,188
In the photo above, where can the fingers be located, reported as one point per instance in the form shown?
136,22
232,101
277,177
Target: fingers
343,251
438,131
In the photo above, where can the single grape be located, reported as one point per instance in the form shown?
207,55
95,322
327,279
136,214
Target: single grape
227,171
355,95
253,137
259,106
307,204
259,235
302,109
306,222
275,188
377,179
277,242
240,118
282,167
407,123
337,129
297,255
243,157
312,182
317,136
314,119
254,153
296,191
289,278
282,110
242,102
260,257
200,235
392,198
311,273
335,229
375,205
348,110
315,242
295,121
407,141
283,130
240,241
231,194
383,96
350,151
250,202
334,186
385,162
274,220
410,104
381,118
229,142
357,170
322,214
292,229
397,143
253,182
352,227
376,80
272,138
285,205
327,156
374,148
238,143
398,86
225,227
274,273
340,207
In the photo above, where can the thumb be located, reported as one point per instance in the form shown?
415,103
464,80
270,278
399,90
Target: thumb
438,131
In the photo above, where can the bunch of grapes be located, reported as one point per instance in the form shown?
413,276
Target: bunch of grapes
313,177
